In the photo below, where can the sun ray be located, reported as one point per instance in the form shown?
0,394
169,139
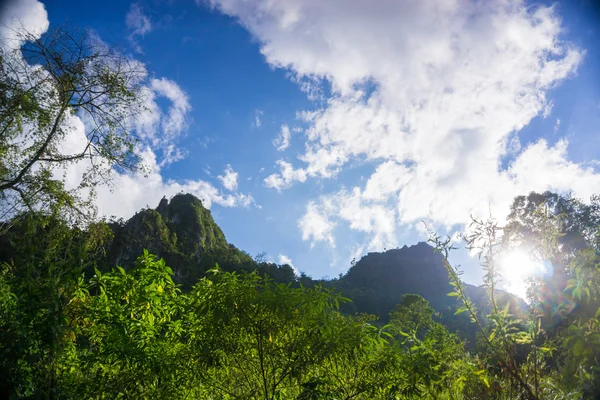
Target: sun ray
516,267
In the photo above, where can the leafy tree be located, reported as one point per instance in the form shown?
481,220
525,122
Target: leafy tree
43,85
558,230
128,335
261,337
38,283
553,352
564,232
412,314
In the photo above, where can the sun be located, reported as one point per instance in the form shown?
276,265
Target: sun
516,267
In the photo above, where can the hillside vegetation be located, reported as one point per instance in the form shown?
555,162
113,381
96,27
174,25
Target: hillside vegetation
194,317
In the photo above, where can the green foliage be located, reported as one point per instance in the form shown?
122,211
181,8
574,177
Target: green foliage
412,314
134,334
553,352
129,334
38,283
72,328
45,83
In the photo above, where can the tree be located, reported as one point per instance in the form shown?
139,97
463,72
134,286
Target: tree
413,313
129,330
259,339
554,226
46,259
564,232
431,358
51,90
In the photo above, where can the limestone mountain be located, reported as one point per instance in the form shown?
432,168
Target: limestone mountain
183,232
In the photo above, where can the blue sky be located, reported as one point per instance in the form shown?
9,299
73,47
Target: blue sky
350,122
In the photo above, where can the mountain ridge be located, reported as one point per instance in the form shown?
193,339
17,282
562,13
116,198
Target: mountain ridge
182,231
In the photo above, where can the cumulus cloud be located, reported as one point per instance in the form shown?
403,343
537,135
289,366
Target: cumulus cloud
286,177
315,224
159,129
433,94
370,210
282,141
229,179
16,15
176,120
283,259
139,23
129,192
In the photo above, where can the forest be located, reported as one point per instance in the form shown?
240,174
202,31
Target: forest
161,306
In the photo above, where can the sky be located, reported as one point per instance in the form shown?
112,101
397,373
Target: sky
318,131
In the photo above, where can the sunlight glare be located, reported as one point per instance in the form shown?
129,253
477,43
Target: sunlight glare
516,267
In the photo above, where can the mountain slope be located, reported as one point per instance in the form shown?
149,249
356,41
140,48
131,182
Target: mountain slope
181,231
376,282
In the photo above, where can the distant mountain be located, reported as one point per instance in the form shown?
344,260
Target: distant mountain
377,282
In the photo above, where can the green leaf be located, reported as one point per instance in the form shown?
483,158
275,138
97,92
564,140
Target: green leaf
485,380
461,310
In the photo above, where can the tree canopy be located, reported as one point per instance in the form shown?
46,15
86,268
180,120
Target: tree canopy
65,98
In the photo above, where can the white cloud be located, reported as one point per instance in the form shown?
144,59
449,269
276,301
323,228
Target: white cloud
557,126
542,167
372,210
547,109
283,259
171,154
139,23
286,177
159,129
129,192
16,15
316,226
432,93
229,179
386,181
176,121
282,141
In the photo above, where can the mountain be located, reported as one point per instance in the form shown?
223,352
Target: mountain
182,231
376,283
